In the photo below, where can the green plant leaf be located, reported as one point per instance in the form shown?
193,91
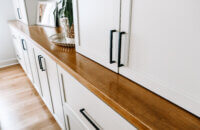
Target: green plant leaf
66,11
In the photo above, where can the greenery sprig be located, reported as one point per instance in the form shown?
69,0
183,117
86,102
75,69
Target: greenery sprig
65,11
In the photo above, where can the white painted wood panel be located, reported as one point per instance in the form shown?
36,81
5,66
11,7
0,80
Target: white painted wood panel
18,47
46,95
164,49
51,68
73,122
35,80
94,19
22,11
78,97
26,11
26,58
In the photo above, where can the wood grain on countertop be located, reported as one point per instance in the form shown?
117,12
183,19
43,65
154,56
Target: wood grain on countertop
139,106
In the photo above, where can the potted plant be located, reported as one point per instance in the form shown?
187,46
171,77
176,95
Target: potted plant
64,17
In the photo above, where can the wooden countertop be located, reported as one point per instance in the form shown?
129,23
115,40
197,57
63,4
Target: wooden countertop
141,107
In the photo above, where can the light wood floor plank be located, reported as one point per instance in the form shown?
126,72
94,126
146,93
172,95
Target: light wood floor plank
21,107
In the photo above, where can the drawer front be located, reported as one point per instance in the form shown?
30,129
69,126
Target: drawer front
72,121
90,109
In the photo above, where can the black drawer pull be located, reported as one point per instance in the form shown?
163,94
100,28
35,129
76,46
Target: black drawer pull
111,46
18,12
40,62
23,45
119,49
89,120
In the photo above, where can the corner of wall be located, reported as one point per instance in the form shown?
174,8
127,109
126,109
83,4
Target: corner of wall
8,62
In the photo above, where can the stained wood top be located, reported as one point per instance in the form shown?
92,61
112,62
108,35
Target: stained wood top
139,106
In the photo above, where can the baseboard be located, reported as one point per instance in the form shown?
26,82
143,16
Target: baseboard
5,63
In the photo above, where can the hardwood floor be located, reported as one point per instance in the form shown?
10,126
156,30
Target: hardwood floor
21,108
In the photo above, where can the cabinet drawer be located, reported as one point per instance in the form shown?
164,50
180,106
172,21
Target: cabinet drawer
74,123
89,108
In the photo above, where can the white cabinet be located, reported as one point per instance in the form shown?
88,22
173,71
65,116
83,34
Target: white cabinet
22,11
42,70
164,48
26,57
25,10
17,10
158,43
35,74
18,47
72,120
72,105
97,26
50,85
91,111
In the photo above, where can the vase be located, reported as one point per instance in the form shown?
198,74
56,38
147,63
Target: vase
67,30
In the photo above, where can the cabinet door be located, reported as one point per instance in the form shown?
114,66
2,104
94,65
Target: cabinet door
164,49
50,86
42,70
18,47
16,9
95,20
35,79
22,11
26,58
52,74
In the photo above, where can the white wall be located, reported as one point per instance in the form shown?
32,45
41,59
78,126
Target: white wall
7,53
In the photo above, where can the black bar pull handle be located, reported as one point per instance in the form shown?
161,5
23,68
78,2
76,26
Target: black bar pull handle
89,120
119,49
111,46
40,62
18,12
23,46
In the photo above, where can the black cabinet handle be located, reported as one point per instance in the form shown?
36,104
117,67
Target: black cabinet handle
89,120
18,12
119,49
111,46
40,62
23,46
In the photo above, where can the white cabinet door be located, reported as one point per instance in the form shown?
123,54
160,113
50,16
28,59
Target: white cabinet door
22,12
16,9
35,78
26,11
51,68
41,65
18,47
164,49
50,86
26,57
94,20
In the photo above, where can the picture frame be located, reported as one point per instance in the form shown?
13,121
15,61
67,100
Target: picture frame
45,13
